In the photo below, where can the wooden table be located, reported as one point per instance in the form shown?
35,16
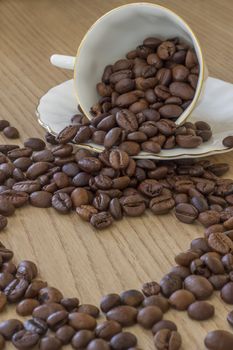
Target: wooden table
71,255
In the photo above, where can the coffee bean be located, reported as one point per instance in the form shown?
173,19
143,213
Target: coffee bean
166,50
157,300
89,164
27,186
98,344
214,265
220,243
26,306
219,340
82,338
49,342
182,271
57,319
6,207
15,290
218,281
43,311
123,314
62,202
81,321
4,124
167,339
201,310
11,132
209,217
5,279
181,299
10,327
228,141
227,293
70,303
163,203
186,213
41,199
107,329
35,144
169,284
89,309
65,334
49,295
148,316
109,301
188,141
36,325
133,205
25,340
164,324
150,288
101,220
199,286
123,341
34,288
131,297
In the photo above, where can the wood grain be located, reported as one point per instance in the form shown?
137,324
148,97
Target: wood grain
71,255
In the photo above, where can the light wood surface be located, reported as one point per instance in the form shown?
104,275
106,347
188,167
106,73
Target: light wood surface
71,255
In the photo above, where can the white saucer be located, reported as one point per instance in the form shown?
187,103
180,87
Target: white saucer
59,104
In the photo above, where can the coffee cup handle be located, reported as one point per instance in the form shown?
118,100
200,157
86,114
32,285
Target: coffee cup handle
62,61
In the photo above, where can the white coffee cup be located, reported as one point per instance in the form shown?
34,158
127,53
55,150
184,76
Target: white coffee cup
113,35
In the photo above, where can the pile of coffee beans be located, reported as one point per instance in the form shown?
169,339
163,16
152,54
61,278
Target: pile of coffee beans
57,320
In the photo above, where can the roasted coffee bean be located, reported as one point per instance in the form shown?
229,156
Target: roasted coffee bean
118,159
199,286
101,220
220,242
70,303
41,199
157,300
107,329
50,342
81,321
150,288
133,205
4,124
163,203
200,203
27,186
34,288
219,340
131,297
62,202
43,311
188,141
167,339
201,310
115,209
200,243
65,334
123,314
186,213
218,281
164,324
214,265
26,307
228,141
6,207
79,197
15,290
81,339
49,295
57,319
89,309
22,163
227,293
27,270
67,134
169,284
182,271
130,147
209,217
36,325
98,344
86,212
10,327
123,340
25,340
181,299
151,146
35,144
148,316
109,302
11,132
16,198
89,164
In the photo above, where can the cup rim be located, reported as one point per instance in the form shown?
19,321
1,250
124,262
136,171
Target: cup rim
191,107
